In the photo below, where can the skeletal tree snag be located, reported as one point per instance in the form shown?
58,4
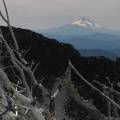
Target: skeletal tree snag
25,99
87,105
20,96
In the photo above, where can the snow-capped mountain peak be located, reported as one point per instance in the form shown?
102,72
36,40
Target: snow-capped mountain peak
84,22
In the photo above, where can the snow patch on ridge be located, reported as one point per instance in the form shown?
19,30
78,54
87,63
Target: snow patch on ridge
60,102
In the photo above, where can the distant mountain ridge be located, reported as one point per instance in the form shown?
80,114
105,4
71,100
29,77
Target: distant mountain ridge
85,34
103,36
82,26
97,52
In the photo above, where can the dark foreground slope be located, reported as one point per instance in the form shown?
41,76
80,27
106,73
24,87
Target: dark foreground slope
52,55
53,58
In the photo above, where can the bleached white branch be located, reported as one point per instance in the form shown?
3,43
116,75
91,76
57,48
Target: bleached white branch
12,56
25,52
55,94
10,87
22,98
6,10
108,88
12,33
18,86
3,17
89,107
36,67
93,87
21,65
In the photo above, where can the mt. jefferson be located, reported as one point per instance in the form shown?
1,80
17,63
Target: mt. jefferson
84,22
82,26
85,34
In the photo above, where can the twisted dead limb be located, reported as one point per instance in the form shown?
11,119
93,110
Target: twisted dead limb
20,64
88,106
92,86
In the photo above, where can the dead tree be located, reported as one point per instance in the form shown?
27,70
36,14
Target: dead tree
17,100
20,97
92,111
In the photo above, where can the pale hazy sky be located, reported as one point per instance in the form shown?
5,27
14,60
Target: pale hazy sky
52,13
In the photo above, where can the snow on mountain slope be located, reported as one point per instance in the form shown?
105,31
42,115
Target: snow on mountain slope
84,22
60,102
78,28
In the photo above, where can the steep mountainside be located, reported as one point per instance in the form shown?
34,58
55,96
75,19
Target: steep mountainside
52,55
53,58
